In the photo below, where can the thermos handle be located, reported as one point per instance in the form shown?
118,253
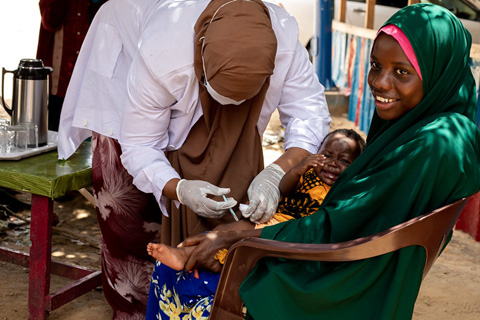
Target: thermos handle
9,110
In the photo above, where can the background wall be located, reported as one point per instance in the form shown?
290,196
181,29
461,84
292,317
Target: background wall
19,28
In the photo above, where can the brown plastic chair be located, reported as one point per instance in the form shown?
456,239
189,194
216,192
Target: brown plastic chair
429,231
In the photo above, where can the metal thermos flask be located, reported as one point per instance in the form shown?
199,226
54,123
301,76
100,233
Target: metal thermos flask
30,95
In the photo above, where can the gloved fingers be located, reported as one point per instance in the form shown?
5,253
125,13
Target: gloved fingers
225,205
262,216
195,195
262,209
204,211
219,205
252,207
214,190
263,193
215,209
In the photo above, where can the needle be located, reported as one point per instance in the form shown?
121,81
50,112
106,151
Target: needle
233,213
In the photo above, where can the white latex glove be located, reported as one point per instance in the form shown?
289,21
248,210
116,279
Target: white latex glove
263,194
193,194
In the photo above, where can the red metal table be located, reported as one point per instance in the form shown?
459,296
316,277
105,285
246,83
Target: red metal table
47,178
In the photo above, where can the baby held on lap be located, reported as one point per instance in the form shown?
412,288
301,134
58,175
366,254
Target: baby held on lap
303,188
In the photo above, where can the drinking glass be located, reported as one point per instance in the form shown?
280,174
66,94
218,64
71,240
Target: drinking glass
4,122
3,139
31,134
16,139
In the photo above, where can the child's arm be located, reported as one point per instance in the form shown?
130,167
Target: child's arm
291,179
243,224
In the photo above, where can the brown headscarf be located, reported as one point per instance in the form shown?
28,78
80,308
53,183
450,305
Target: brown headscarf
238,45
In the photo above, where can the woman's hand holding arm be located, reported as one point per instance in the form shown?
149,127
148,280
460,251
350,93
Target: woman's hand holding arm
208,244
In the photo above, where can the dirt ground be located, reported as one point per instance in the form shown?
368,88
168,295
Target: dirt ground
450,291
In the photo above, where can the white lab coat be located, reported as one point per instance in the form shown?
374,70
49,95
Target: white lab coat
162,103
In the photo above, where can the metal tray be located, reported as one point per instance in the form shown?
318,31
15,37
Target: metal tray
51,145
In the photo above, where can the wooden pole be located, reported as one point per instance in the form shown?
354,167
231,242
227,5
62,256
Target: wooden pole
370,14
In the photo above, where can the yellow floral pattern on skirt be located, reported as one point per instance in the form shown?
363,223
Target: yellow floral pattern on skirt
171,306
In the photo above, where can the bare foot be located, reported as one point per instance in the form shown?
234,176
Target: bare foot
175,258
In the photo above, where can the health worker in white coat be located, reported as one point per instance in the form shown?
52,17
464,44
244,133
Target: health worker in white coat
192,120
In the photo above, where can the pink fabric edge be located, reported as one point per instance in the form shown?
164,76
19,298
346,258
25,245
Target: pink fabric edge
397,34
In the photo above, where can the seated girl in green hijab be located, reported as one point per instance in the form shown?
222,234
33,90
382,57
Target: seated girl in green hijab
422,153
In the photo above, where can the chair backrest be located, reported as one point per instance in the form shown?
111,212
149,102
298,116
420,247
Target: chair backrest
429,231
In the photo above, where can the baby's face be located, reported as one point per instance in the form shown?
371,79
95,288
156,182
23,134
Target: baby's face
339,152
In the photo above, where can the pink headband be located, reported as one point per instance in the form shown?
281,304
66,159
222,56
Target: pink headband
397,34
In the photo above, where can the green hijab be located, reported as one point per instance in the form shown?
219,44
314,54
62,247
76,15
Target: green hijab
426,159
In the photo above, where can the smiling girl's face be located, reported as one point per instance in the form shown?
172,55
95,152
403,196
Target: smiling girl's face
395,85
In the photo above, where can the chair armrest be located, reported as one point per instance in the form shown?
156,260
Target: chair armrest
429,231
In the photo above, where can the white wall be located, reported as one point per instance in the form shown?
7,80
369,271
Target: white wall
19,27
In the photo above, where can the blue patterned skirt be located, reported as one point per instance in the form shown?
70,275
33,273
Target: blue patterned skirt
181,295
